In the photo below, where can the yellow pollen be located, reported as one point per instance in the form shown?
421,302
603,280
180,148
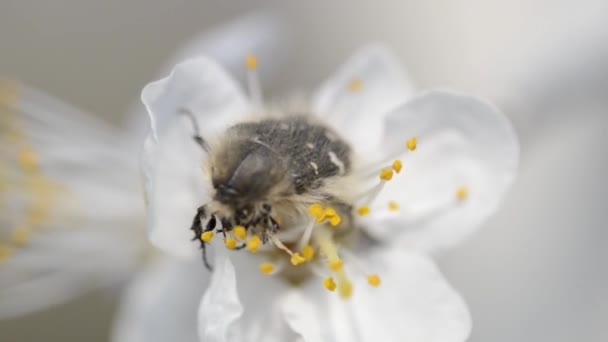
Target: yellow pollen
363,210
230,242
254,244
412,143
329,284
207,236
5,252
397,165
355,85
316,211
308,252
21,236
251,61
386,174
345,289
462,193
335,265
393,206
266,268
240,232
335,220
27,159
373,280
329,211
297,259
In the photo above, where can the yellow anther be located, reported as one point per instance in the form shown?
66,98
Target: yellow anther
373,280
329,211
335,265
207,236
393,206
240,232
386,174
355,85
230,242
316,210
363,210
21,236
397,165
266,268
5,252
345,289
27,159
335,220
462,193
254,244
329,284
297,259
251,61
308,252
412,143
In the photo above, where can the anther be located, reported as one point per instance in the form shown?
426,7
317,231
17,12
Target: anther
297,259
373,280
316,211
308,252
335,265
397,165
254,244
335,220
363,210
462,193
355,85
207,236
251,62
393,206
230,242
386,174
266,268
329,283
411,144
240,232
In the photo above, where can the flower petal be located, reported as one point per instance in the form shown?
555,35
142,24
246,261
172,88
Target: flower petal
172,161
413,303
464,145
362,91
161,303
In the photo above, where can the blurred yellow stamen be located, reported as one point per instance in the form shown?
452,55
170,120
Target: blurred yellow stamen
21,236
254,244
363,210
412,143
230,242
297,259
316,211
266,268
373,280
329,211
335,220
355,85
462,193
5,252
386,174
207,236
27,159
323,237
308,252
251,61
335,265
240,232
397,165
393,206
329,284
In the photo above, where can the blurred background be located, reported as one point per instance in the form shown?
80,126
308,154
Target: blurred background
537,270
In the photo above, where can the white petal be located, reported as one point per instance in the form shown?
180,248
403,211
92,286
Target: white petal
359,115
462,142
413,303
172,161
161,304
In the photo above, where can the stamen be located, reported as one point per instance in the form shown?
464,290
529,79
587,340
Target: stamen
230,242
296,258
324,239
363,210
462,193
335,220
253,82
207,236
308,252
306,235
240,232
336,265
412,144
329,283
254,244
266,268
386,174
397,165
321,214
316,211
373,280
393,206
21,236
355,85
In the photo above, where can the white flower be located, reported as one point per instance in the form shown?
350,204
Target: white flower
462,155
70,187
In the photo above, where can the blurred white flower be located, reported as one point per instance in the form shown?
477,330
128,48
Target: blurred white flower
70,187
461,157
